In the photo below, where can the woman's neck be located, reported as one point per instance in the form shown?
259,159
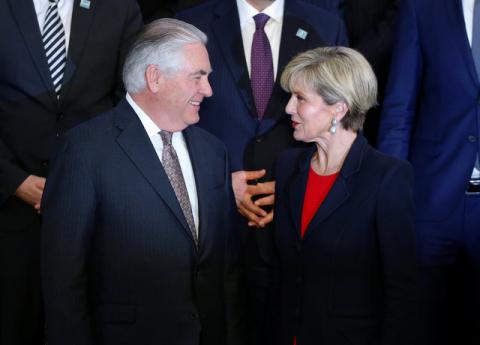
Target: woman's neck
332,151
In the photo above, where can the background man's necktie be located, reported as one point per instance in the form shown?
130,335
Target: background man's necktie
54,42
171,165
261,65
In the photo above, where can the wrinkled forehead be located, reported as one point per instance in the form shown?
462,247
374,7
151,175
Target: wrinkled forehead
196,59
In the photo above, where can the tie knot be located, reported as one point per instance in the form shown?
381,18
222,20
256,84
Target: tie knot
53,1
166,137
260,20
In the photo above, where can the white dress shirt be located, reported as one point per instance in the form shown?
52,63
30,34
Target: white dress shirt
180,146
65,10
273,29
468,6
468,17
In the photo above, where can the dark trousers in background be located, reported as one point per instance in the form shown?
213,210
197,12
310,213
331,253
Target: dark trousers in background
449,262
21,312
258,269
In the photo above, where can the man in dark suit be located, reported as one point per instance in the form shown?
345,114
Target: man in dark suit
34,111
255,135
431,117
139,245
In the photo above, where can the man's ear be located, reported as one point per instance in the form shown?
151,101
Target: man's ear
153,78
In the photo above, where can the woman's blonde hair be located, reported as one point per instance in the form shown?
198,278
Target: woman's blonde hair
337,74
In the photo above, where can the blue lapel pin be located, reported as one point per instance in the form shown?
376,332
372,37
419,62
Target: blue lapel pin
85,4
302,34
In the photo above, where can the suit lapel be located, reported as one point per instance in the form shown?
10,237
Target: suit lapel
339,193
297,188
201,167
228,36
335,198
291,42
454,10
24,13
137,146
80,29
290,45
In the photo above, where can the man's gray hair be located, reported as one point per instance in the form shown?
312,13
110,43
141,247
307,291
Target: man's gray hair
160,43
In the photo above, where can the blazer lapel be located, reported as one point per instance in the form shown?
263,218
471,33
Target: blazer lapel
228,36
339,193
80,29
454,10
335,198
291,43
297,188
137,146
292,29
201,167
24,13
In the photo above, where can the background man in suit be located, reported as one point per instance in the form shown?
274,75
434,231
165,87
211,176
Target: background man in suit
138,242
247,111
431,117
86,44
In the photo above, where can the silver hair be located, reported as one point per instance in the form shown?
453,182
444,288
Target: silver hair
160,43
337,74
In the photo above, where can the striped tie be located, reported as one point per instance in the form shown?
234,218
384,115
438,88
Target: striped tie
54,42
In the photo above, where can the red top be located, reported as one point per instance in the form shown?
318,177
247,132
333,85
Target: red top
318,187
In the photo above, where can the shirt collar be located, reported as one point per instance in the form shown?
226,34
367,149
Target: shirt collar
247,11
150,126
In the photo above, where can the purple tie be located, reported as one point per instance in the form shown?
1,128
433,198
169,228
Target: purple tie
262,66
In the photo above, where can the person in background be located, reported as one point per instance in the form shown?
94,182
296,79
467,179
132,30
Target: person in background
60,65
139,238
250,43
344,215
431,117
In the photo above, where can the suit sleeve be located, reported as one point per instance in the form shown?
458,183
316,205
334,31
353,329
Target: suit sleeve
132,25
395,219
403,85
235,298
68,221
11,175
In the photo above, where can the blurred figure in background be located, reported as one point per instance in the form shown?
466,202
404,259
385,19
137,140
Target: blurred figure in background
60,65
431,117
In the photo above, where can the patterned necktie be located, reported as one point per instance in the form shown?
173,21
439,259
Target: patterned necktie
55,47
261,65
171,165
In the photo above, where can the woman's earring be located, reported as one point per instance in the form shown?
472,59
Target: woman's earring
333,128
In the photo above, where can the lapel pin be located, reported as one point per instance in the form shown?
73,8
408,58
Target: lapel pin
85,4
302,34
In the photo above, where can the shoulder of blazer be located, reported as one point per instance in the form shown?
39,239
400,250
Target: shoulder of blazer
292,160
378,162
202,137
